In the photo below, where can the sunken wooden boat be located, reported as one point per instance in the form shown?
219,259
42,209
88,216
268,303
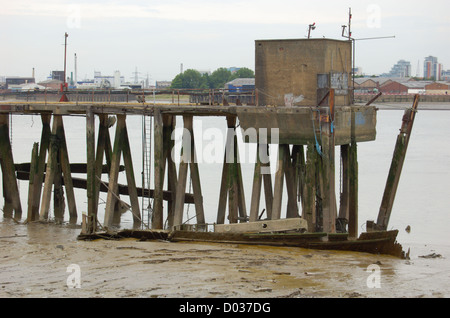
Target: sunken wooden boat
278,233
381,242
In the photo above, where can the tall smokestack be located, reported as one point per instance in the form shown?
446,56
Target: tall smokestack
76,78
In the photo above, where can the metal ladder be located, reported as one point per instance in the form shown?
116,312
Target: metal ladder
147,202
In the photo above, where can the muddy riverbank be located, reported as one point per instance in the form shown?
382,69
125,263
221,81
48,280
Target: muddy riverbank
42,260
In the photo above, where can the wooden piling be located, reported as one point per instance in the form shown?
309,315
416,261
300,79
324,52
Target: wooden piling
32,180
157,217
10,188
279,182
35,192
50,173
256,189
395,170
291,184
121,146
353,191
309,189
231,184
329,210
91,175
188,160
66,170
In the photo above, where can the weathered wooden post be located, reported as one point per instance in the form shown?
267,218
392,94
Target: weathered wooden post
329,212
10,188
34,196
157,217
231,186
90,177
121,146
395,170
188,160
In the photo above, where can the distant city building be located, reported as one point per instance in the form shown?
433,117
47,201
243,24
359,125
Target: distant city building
241,85
111,81
51,84
357,71
445,76
16,80
400,70
431,68
163,84
57,75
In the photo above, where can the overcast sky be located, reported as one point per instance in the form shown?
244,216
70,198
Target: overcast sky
156,36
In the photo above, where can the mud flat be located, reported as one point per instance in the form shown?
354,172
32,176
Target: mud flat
36,260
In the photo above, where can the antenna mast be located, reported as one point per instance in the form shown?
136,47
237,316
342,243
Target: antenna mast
64,84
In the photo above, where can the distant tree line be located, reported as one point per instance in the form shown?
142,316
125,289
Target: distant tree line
194,79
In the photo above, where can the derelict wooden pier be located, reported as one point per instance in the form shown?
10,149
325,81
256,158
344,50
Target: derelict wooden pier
50,164
302,105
